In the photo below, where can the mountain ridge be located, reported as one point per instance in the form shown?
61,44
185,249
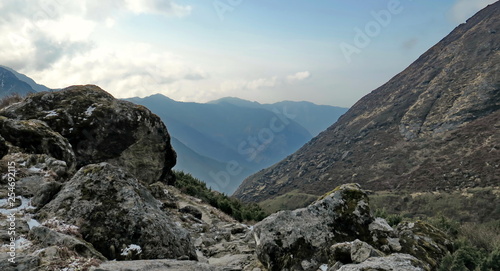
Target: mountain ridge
235,133
404,134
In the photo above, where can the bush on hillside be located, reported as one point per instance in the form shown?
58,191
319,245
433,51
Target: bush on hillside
231,206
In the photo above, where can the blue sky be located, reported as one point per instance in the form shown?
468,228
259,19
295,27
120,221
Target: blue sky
327,52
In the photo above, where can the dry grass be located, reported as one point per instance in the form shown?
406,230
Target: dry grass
8,100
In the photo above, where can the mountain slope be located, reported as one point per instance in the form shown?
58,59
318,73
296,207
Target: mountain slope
222,143
10,84
434,126
34,85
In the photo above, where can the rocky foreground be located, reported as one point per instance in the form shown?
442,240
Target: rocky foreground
86,184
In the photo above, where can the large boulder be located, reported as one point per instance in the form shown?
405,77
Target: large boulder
117,215
288,238
423,241
340,230
101,128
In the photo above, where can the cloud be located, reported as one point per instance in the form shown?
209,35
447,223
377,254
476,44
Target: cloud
52,41
464,9
263,83
125,71
249,84
162,7
299,76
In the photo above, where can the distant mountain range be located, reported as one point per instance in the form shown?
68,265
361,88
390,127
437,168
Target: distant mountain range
223,141
433,127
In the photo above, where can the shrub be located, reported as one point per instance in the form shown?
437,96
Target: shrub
231,206
10,99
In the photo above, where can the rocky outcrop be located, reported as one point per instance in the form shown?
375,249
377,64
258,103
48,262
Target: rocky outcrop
34,136
339,229
113,212
434,126
100,128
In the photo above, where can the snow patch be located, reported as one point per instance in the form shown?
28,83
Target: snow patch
324,267
89,111
51,113
131,248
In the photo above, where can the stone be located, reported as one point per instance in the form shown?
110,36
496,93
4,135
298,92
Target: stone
361,251
423,241
114,211
287,238
191,210
4,148
393,262
100,128
155,265
36,137
46,193
23,262
45,237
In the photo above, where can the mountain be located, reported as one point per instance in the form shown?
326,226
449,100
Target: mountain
10,84
315,118
433,127
35,86
224,141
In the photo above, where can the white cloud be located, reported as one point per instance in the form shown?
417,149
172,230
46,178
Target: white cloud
263,83
53,42
464,9
126,71
162,7
299,76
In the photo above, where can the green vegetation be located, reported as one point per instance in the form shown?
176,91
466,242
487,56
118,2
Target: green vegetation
231,206
392,219
289,201
469,217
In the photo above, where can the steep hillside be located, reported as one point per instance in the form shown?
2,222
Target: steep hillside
10,84
34,85
433,127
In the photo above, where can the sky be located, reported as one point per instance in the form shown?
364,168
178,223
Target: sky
329,52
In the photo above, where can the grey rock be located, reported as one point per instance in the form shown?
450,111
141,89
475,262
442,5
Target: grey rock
22,262
101,128
423,241
287,238
361,251
4,148
35,136
191,210
113,211
45,237
155,265
46,193
393,262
